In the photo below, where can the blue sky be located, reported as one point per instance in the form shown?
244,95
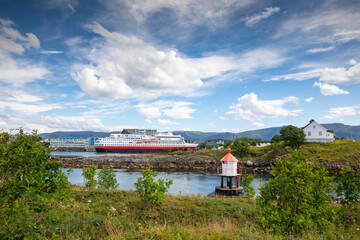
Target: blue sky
202,65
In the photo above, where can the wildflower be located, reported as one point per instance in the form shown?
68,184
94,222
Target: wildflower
89,201
112,209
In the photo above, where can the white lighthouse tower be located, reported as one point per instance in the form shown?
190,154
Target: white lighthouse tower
229,170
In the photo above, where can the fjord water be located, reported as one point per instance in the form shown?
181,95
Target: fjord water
184,183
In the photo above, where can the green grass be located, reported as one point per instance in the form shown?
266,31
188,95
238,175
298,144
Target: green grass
118,214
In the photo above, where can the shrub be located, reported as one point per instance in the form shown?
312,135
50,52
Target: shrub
106,178
276,138
29,185
246,181
296,198
167,150
348,185
89,176
292,136
239,148
151,191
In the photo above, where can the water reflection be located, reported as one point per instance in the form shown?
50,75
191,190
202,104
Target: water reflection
184,183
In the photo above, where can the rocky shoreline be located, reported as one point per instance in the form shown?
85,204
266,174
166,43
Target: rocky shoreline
176,163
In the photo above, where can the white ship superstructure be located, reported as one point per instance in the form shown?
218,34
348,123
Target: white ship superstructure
131,143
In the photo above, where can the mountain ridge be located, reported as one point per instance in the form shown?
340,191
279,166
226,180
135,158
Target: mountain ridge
341,131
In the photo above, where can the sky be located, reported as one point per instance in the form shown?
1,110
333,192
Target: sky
199,65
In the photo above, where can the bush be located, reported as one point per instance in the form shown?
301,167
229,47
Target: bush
276,138
348,185
239,148
29,185
296,198
151,191
246,181
167,150
292,136
106,178
89,176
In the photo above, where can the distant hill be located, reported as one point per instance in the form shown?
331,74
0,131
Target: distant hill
341,131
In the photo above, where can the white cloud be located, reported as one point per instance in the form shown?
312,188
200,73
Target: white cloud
336,113
28,108
329,89
185,129
317,50
328,23
173,109
352,62
252,20
300,76
250,108
127,67
18,72
235,130
51,52
187,12
211,124
49,123
223,118
309,100
74,41
23,98
167,122
258,124
71,7
11,40
342,75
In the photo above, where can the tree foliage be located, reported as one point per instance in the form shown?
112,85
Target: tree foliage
276,139
348,185
246,181
151,191
89,176
107,178
296,198
292,136
240,148
29,185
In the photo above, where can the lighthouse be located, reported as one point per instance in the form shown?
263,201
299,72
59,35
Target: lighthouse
228,171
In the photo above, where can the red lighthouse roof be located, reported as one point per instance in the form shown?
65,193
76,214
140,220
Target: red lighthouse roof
229,157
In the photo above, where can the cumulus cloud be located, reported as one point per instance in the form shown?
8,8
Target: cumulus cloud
342,75
223,118
11,40
167,122
336,113
329,89
173,109
309,100
250,108
252,20
317,50
127,67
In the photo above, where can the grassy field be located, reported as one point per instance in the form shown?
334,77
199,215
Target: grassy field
118,214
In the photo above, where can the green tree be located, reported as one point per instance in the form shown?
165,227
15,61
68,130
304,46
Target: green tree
30,184
348,185
151,191
89,176
239,148
107,178
201,145
292,136
276,138
296,199
246,181
227,143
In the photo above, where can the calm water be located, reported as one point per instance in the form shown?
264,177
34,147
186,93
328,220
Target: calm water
86,154
184,183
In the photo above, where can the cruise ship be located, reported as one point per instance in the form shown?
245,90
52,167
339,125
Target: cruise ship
141,141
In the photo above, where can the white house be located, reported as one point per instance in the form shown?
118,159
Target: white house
316,133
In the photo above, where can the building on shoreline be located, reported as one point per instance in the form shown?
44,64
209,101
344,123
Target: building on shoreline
73,143
315,132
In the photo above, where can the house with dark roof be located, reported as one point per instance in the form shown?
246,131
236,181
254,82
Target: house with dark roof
315,132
